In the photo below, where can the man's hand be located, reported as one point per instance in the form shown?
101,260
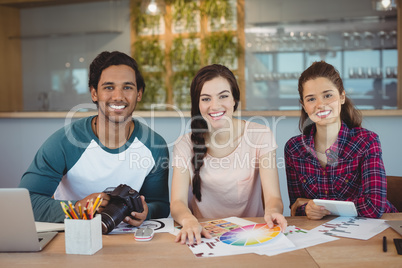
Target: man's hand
93,197
137,218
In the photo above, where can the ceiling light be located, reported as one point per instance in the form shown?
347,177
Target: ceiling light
153,7
384,5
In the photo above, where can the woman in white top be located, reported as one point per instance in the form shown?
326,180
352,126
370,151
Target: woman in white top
219,168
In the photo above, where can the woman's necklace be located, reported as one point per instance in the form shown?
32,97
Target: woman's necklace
96,129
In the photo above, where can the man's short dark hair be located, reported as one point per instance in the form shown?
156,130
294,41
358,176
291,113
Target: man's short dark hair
106,59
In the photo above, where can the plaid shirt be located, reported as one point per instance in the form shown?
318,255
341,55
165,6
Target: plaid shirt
354,171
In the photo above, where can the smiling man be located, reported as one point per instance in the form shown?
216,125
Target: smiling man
81,160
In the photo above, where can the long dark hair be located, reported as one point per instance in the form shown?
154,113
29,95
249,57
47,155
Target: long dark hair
198,124
349,114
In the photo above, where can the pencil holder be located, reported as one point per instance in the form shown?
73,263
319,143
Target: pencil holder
83,236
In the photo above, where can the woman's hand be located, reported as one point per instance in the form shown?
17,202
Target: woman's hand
192,231
276,218
298,203
315,212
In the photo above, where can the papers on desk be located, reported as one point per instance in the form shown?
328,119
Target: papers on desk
48,227
159,225
238,240
164,225
301,239
293,238
214,247
352,227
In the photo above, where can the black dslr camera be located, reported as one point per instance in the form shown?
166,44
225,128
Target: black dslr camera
123,200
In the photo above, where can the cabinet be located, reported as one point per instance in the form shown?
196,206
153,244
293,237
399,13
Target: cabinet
10,63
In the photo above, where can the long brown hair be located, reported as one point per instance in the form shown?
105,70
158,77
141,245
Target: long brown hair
349,114
198,124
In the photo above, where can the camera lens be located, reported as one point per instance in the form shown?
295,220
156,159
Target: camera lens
112,215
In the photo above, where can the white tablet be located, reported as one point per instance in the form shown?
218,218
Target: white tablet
340,208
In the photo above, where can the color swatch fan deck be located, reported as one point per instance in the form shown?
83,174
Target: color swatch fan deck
250,235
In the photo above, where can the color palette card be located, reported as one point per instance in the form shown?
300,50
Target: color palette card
237,239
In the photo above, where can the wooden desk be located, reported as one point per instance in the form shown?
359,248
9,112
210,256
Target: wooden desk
123,251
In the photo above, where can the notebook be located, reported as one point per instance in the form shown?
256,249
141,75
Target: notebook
17,225
396,225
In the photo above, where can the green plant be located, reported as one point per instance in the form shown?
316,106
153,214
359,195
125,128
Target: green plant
143,21
149,54
185,11
216,10
181,87
221,46
185,53
186,60
155,91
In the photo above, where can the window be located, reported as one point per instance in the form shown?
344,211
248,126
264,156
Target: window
362,46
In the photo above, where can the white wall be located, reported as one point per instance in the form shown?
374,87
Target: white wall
21,138
59,42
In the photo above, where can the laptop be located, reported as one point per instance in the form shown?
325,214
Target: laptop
396,225
17,225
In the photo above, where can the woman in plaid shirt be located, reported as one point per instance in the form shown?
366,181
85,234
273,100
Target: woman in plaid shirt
334,158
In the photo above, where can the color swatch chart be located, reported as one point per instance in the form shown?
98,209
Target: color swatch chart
250,235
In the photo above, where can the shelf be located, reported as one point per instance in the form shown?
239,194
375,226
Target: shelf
59,35
321,50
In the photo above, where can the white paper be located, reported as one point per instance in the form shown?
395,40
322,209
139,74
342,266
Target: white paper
215,248
164,225
48,227
352,227
301,239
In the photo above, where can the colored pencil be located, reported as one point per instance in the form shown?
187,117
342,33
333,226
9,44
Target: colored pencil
72,210
97,201
63,206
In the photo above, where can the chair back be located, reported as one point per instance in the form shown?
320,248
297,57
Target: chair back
394,191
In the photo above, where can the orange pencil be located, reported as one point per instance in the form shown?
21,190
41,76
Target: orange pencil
84,213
